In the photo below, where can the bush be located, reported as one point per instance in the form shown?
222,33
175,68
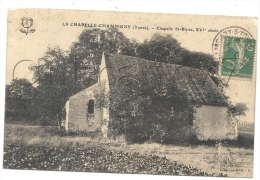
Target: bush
174,130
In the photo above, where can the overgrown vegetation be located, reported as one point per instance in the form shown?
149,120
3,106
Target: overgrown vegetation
145,109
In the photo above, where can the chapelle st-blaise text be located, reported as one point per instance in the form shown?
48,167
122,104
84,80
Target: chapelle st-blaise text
137,27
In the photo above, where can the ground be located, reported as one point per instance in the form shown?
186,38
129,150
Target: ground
46,148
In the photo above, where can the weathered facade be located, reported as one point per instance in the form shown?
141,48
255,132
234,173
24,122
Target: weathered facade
214,122
211,119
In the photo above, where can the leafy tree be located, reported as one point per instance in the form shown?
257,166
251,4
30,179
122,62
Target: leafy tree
86,53
19,100
54,84
160,48
61,74
239,109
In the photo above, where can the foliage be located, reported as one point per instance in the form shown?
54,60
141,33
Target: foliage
19,100
85,54
239,109
53,83
142,109
165,48
91,160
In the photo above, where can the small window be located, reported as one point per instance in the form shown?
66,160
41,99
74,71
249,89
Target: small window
91,106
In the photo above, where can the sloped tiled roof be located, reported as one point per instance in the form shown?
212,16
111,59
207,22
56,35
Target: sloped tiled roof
196,83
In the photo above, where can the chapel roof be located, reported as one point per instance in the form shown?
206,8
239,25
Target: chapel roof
195,83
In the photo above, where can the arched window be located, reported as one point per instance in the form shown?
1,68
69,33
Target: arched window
91,106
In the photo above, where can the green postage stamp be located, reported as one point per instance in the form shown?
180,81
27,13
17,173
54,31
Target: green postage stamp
238,57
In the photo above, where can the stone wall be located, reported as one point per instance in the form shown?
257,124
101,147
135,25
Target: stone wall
79,119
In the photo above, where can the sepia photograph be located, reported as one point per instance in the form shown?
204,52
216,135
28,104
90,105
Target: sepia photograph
129,93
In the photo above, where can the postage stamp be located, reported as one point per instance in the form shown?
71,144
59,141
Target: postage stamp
237,57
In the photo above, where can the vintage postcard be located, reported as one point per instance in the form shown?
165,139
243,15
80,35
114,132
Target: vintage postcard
135,93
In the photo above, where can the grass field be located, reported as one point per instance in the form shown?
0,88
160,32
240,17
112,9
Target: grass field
231,158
